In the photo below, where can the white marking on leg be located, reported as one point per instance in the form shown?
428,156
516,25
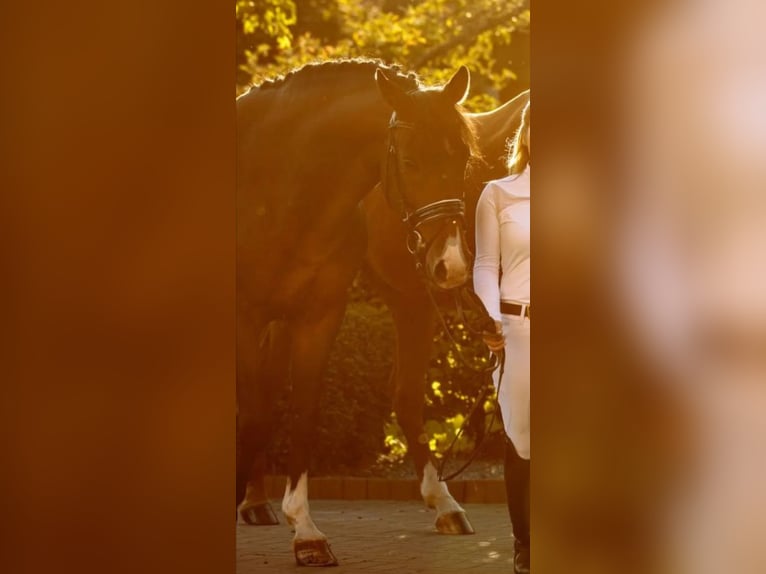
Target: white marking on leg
436,494
295,506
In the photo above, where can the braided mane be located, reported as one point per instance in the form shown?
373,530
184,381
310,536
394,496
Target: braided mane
364,66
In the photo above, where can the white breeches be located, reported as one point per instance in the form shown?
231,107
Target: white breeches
514,389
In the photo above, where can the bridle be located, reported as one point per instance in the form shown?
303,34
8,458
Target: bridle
464,299
443,210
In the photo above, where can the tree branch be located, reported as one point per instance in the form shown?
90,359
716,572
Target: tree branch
469,32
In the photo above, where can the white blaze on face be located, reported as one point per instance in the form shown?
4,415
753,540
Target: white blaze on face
435,493
295,506
454,260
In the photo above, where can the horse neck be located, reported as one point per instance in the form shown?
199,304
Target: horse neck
362,125
332,115
345,133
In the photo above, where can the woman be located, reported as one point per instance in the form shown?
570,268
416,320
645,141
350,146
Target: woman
502,246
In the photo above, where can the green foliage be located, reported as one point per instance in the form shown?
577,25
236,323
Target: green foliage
456,380
261,26
270,17
430,37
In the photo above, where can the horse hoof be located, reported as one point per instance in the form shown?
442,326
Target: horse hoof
454,523
314,553
259,515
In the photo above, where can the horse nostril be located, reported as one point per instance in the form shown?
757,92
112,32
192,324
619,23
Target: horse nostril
440,271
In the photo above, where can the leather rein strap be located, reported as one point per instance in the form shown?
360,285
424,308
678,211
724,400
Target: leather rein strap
464,298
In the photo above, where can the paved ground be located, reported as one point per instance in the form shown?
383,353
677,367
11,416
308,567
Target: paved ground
379,537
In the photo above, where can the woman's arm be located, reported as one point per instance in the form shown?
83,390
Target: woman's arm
486,268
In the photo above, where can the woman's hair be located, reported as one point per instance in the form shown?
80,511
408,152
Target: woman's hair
518,154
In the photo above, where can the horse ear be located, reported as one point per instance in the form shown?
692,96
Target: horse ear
456,90
394,95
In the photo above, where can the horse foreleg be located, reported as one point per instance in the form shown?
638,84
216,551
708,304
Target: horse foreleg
415,330
312,339
273,360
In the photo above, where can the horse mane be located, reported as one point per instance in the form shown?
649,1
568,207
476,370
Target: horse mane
365,68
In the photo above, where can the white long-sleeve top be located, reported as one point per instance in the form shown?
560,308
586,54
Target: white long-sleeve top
502,242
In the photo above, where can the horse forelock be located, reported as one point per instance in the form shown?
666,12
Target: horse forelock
444,120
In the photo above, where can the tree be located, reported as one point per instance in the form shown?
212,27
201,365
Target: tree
431,37
261,23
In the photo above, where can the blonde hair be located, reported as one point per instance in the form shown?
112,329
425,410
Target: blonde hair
518,155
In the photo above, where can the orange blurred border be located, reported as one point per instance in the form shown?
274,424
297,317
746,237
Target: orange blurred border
600,423
118,265
118,295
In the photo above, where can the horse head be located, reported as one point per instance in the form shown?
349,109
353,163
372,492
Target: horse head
429,149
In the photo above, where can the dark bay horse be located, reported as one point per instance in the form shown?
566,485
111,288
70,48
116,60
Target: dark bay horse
405,294
310,146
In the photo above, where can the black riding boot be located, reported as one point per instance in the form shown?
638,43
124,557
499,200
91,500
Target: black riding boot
517,493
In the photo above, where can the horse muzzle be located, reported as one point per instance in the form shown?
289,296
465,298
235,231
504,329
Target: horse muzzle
447,263
435,240
447,276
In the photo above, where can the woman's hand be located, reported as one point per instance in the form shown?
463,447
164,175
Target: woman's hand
495,341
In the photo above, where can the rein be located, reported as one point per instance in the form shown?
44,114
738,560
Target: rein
463,297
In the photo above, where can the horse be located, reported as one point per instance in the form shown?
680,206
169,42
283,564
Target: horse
389,264
310,146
